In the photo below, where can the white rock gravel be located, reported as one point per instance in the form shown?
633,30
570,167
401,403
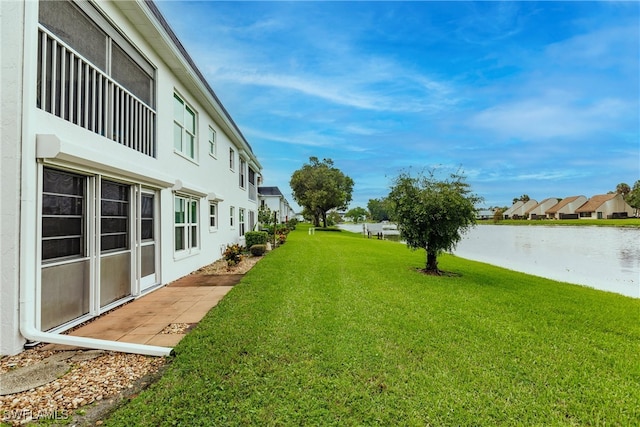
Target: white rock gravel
88,380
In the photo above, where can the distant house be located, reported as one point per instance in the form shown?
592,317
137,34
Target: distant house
566,208
605,206
539,211
272,198
509,212
484,214
519,209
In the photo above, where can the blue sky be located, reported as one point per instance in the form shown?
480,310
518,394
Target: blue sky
537,98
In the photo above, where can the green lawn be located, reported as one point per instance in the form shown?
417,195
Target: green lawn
334,329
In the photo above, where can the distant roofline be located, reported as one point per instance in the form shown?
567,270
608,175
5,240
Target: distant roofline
270,191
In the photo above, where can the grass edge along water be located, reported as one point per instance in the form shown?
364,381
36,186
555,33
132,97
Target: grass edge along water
335,329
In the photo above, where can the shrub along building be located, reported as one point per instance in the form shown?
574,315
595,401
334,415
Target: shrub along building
121,169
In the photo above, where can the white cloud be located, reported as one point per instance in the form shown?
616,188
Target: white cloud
550,117
310,139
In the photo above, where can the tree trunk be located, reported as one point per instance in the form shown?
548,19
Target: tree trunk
324,219
432,263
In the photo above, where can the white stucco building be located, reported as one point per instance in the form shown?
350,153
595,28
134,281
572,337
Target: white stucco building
272,198
121,169
604,206
519,209
540,210
566,208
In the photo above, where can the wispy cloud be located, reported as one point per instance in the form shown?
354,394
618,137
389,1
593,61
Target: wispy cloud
550,117
310,139
399,91
538,98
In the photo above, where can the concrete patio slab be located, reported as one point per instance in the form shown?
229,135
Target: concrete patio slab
142,321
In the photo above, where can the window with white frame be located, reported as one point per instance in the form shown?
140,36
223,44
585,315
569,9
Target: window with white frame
232,159
241,222
212,141
185,223
213,216
232,214
243,167
184,127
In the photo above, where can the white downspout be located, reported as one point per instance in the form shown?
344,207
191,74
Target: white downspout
30,332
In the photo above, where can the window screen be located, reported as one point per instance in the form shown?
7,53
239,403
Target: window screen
74,27
63,202
114,220
129,74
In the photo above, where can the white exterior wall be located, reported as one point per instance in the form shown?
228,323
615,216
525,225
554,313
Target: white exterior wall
280,205
32,138
541,208
509,212
12,15
522,210
275,204
570,208
615,205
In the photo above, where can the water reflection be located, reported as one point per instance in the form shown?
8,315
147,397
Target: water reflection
606,258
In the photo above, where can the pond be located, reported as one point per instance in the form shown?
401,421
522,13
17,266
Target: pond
606,258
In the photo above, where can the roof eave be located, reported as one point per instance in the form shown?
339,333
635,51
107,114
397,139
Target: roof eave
158,33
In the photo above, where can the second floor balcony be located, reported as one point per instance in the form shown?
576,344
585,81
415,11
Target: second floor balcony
72,88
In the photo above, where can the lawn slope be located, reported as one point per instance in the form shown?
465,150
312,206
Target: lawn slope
335,329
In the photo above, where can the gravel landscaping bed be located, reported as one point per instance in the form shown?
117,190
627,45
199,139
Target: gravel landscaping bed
87,381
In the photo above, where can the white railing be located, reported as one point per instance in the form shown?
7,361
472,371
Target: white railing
73,89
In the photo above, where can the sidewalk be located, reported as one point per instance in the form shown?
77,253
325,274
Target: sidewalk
162,317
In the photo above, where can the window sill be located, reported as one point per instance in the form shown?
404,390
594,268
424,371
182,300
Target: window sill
213,229
184,156
186,253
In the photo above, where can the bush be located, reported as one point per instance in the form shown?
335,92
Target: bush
291,224
280,229
258,250
233,254
256,238
281,238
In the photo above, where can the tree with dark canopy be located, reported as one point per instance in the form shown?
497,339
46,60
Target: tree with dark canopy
432,214
319,187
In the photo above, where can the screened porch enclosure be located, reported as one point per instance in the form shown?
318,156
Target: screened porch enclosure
95,255
88,75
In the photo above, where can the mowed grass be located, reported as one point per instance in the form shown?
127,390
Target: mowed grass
335,329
